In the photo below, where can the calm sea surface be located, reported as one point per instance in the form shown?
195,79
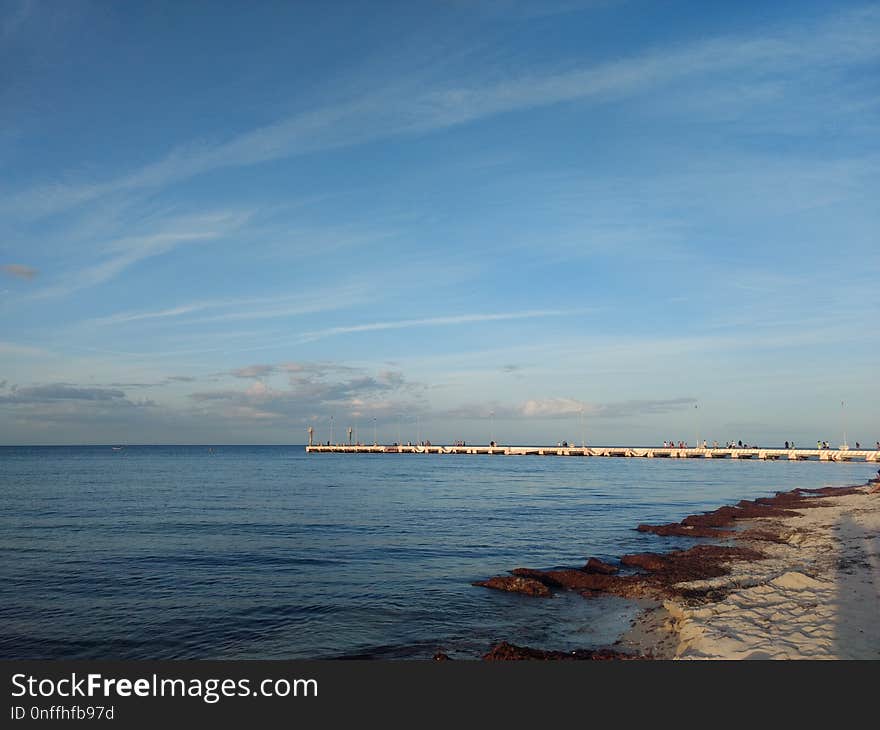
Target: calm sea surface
266,552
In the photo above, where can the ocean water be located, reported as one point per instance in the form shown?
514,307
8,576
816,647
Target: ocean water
270,553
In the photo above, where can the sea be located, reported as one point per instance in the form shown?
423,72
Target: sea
266,552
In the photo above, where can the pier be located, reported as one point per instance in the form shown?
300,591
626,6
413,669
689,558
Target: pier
643,452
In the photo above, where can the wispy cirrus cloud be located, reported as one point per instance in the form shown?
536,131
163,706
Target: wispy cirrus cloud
342,295
123,253
828,42
127,317
432,322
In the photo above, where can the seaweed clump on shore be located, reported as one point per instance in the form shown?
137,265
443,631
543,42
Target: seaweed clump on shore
511,652
783,504
516,584
661,572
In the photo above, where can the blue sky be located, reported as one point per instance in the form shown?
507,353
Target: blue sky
221,223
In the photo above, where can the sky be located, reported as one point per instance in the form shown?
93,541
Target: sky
616,221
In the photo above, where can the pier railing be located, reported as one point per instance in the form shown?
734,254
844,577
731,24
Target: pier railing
646,452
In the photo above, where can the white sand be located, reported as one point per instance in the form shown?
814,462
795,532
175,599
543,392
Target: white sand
817,596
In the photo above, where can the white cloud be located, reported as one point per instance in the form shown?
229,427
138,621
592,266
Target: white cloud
554,407
254,371
313,388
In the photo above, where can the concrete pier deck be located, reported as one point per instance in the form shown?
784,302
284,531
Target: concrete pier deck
645,452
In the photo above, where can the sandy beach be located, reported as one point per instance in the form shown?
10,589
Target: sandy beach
816,595
795,576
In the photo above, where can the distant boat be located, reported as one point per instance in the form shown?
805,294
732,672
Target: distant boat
117,448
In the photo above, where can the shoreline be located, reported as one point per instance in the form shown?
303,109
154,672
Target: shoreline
794,576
